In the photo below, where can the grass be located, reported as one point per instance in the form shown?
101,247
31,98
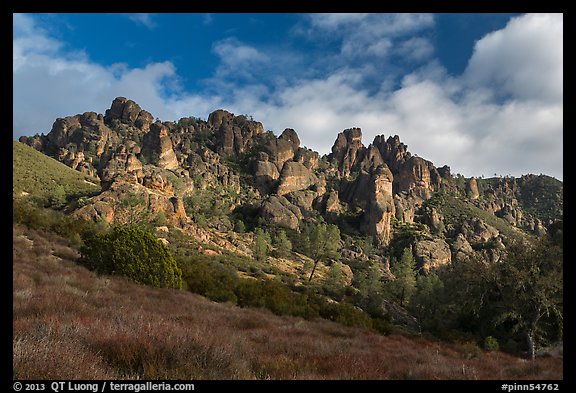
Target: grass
39,177
69,323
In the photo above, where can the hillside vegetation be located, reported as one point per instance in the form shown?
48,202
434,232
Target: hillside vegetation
47,181
70,323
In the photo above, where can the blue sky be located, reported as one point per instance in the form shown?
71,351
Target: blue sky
482,93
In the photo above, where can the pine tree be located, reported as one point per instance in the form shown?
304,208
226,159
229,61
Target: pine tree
260,245
404,286
322,242
283,244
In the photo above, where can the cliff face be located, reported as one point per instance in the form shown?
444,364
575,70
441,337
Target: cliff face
228,164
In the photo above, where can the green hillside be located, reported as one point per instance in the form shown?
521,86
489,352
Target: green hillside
44,180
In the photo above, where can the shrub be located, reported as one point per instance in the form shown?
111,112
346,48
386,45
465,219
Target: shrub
134,253
210,279
491,344
346,314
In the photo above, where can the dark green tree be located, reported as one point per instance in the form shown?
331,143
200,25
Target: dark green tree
530,284
404,285
134,253
321,242
260,245
283,244
426,302
58,197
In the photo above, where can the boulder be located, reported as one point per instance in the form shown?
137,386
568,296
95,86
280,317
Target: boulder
431,254
477,231
279,211
302,199
294,177
307,157
266,174
461,249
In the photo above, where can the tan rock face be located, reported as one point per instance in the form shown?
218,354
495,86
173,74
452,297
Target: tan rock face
381,205
87,132
128,202
118,163
295,177
414,176
235,133
128,112
472,189
347,149
431,254
157,147
278,210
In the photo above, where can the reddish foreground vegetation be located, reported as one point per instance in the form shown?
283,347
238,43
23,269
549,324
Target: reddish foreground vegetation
71,324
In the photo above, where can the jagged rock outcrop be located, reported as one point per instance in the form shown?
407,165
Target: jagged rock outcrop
279,211
265,173
433,220
431,254
380,210
307,157
126,202
119,162
128,112
294,177
146,167
236,134
87,132
461,249
330,203
415,176
302,199
472,188
478,231
347,149
283,148
393,152
157,147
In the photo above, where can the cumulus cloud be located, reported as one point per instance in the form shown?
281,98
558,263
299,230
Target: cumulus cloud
50,83
370,35
503,115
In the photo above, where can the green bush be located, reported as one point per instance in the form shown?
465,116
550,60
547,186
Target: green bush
134,253
491,344
346,314
211,279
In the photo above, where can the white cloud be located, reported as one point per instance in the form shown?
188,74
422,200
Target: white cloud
415,49
49,83
368,35
461,121
524,60
143,19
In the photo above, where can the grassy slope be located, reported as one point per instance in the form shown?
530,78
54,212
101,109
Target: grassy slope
38,175
71,324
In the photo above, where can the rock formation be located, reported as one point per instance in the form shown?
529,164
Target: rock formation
157,147
147,169
380,209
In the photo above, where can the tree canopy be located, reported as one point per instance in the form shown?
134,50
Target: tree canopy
132,252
